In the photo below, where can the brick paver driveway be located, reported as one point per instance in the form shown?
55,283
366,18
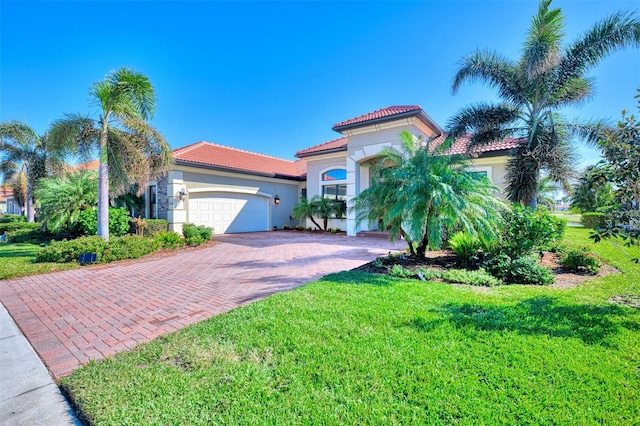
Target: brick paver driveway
72,317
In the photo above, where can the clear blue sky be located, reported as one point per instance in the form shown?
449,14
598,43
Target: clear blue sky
274,77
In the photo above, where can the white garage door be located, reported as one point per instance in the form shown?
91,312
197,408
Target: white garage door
229,213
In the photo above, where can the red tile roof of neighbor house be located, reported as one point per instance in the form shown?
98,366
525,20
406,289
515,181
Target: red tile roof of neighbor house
383,113
5,191
89,165
220,156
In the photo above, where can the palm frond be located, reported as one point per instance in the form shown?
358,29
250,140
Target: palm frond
542,46
618,31
74,134
482,117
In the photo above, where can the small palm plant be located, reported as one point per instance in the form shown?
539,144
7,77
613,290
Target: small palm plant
426,194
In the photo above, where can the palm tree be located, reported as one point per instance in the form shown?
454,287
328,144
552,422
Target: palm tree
426,194
130,150
62,199
545,190
533,89
23,153
322,207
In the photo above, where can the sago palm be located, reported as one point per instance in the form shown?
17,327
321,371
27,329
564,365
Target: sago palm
533,89
22,150
130,150
421,193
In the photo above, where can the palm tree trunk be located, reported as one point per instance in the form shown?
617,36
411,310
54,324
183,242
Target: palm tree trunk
31,216
103,186
533,203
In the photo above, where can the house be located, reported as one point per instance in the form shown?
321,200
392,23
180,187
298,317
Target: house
8,202
233,190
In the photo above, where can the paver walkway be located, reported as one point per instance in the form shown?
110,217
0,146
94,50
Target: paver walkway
72,317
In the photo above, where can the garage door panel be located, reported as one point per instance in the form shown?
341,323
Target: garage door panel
229,213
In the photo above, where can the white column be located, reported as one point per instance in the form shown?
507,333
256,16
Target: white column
353,188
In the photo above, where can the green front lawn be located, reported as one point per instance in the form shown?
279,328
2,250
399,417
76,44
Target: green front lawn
573,218
17,260
355,348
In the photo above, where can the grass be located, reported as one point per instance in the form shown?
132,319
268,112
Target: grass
573,218
17,260
355,348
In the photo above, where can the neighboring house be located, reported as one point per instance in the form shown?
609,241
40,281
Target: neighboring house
233,190
8,202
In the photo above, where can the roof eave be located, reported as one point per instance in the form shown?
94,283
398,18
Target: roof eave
320,152
234,170
414,113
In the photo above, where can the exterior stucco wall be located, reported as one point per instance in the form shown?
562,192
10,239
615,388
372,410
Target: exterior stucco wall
319,164
202,181
495,168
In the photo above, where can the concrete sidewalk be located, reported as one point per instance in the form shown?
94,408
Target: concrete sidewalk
28,395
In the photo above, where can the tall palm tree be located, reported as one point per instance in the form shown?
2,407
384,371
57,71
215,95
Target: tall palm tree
532,89
23,151
426,194
130,149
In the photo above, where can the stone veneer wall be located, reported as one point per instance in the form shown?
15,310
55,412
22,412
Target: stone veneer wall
163,198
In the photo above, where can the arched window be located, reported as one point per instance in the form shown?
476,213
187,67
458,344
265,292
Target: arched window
334,174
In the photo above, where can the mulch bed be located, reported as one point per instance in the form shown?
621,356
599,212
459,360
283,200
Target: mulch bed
447,259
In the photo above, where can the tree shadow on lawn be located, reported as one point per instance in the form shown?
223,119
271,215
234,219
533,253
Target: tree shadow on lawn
592,324
18,250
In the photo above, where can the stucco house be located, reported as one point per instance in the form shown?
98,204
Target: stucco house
233,190
8,202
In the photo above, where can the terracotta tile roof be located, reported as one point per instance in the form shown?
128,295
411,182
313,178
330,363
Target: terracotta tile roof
89,165
380,114
211,154
334,145
5,191
460,146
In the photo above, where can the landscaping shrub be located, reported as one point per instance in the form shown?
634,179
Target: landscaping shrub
465,245
516,270
154,227
33,236
17,226
169,239
400,272
526,230
128,247
196,234
11,218
118,221
286,227
579,257
69,250
594,220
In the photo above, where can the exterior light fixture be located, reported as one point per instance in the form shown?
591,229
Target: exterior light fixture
276,200
182,195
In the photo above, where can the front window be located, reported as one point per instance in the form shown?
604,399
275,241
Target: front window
337,193
153,203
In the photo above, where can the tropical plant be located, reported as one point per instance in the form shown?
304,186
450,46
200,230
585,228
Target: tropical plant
546,189
533,89
593,192
423,194
130,150
62,199
621,148
24,157
321,207
119,221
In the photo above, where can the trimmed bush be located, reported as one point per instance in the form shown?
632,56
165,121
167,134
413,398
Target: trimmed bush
594,220
577,258
17,226
118,221
169,239
128,247
33,236
11,218
196,234
69,250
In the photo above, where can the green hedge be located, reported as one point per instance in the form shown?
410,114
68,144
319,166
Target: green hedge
196,234
10,218
17,226
594,219
117,248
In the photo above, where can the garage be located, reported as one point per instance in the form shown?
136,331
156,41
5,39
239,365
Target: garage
229,213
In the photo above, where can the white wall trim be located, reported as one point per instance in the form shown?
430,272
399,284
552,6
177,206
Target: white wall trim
236,190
